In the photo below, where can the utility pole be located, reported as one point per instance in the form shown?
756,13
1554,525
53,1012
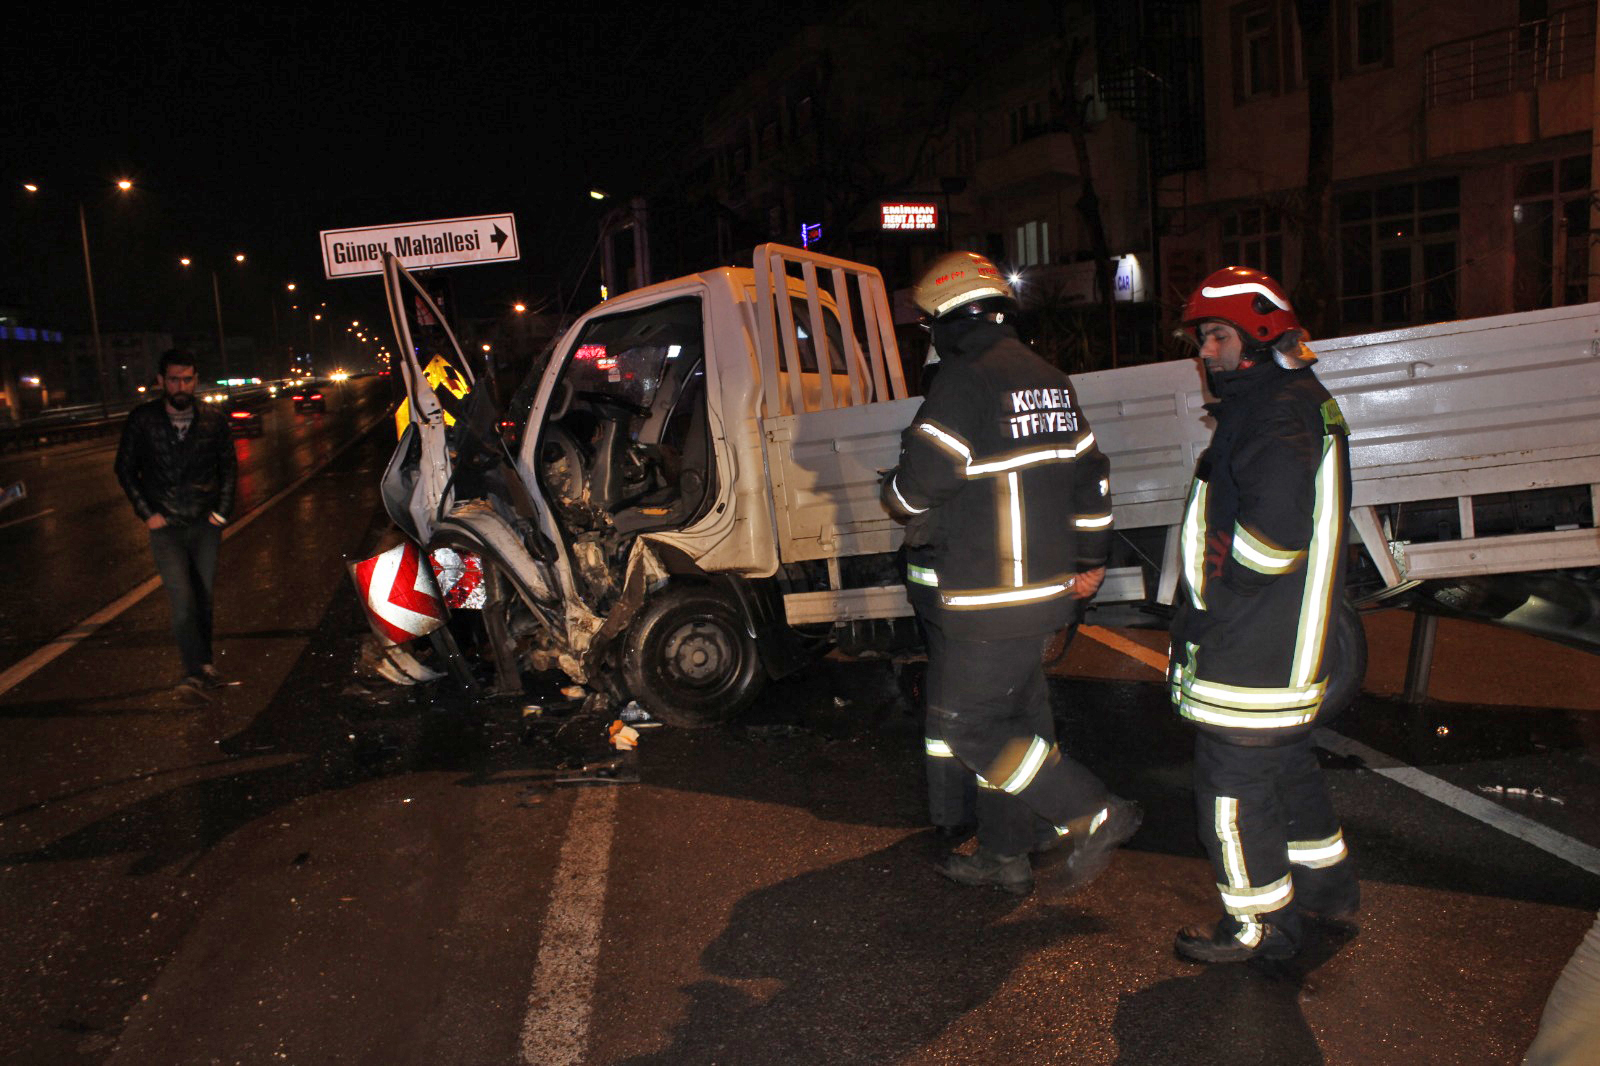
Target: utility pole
94,318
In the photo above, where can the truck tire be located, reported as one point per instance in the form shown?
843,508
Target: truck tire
689,658
1347,660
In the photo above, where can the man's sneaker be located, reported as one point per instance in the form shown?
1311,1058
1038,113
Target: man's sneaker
1009,872
211,678
1199,944
193,689
1092,851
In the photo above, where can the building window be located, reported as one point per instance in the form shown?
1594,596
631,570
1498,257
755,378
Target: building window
1397,253
1026,121
959,154
1366,35
1033,244
1253,237
1266,55
1550,234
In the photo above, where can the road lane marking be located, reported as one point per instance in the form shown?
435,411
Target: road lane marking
1520,826
1155,660
28,518
1490,813
43,656
555,1030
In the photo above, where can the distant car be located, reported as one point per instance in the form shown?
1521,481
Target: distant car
245,422
308,398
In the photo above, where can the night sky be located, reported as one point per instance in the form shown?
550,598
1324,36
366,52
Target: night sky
251,128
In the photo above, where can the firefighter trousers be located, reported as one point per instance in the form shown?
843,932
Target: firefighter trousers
989,702
1269,826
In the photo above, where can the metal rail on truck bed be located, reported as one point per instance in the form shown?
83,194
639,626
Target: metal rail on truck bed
1451,411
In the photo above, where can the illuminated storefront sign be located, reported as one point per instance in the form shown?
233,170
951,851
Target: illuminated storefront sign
909,216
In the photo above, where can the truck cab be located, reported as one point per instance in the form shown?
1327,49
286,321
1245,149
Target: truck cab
691,505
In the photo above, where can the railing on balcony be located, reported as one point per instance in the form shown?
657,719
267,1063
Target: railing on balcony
1512,59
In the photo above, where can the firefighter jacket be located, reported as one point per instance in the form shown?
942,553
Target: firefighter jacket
184,480
1263,562
1004,493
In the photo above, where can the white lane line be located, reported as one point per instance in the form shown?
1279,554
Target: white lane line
43,656
555,1031
1490,813
28,518
1155,660
1520,826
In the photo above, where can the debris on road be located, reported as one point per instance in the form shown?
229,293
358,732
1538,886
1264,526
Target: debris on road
1533,793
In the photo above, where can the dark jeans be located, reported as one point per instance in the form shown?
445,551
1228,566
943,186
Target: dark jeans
186,557
988,700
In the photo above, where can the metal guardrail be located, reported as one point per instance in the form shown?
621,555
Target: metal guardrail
60,426
1513,59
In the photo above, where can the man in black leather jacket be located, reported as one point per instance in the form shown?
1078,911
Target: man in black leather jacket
177,465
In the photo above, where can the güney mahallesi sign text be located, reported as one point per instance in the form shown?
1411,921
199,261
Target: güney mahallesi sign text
442,242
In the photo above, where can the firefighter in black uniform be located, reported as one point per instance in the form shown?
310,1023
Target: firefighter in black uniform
1263,572
1008,519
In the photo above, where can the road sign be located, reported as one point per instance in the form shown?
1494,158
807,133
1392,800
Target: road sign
443,242
400,593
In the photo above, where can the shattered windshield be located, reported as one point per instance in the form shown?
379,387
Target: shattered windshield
625,356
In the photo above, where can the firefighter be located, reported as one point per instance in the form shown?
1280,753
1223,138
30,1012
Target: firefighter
1008,521
1263,569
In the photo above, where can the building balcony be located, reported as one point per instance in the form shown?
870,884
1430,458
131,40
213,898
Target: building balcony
1515,85
1042,163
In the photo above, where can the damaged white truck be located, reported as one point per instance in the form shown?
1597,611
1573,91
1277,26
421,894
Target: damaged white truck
689,505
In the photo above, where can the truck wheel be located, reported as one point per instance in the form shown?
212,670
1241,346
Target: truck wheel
1347,661
689,660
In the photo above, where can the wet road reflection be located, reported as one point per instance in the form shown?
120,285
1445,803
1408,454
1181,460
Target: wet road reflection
86,547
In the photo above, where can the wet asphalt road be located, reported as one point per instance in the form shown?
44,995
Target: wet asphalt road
316,869
75,544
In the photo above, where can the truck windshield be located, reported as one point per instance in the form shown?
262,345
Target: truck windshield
625,356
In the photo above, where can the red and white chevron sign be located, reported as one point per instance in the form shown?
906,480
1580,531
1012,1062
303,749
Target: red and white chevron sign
400,594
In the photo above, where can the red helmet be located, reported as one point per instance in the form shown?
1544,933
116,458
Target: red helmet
1248,300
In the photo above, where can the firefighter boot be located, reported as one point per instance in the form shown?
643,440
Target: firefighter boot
983,867
1095,843
1233,941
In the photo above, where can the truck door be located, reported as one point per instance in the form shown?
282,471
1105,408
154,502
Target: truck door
419,485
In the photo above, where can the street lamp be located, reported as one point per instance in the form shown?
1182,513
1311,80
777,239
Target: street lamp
94,312
216,297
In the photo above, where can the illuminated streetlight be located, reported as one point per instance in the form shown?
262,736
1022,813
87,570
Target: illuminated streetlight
519,307
239,258
290,286
185,261
30,186
598,194
485,347
94,313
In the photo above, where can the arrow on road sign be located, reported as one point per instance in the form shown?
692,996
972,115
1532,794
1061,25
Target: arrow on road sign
498,237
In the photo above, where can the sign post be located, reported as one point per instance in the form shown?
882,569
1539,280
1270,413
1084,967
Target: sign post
443,242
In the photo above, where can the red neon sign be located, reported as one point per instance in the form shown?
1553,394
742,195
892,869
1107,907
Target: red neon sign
907,216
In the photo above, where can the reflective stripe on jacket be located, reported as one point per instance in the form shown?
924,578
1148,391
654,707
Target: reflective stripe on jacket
1262,546
1005,492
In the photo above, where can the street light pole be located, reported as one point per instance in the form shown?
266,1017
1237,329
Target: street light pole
94,317
222,341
